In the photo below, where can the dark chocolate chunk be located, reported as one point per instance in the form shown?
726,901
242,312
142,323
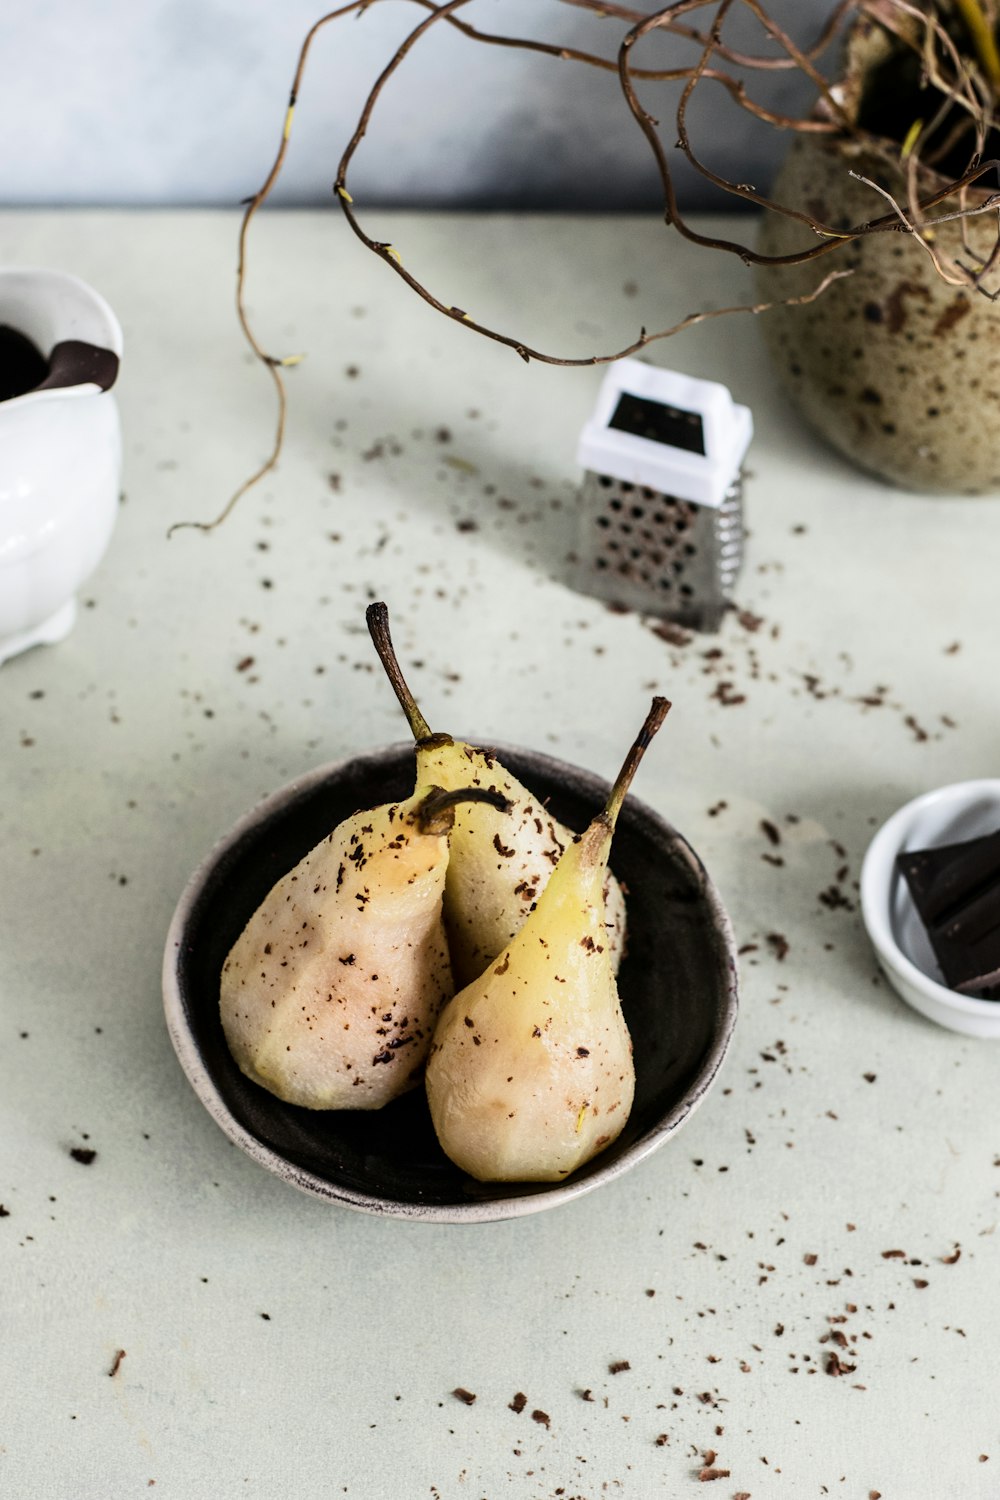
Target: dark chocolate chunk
23,366
956,890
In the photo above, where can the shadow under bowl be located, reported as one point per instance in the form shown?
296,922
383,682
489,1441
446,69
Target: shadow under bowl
678,988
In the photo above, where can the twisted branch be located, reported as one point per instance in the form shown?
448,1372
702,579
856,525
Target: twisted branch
962,84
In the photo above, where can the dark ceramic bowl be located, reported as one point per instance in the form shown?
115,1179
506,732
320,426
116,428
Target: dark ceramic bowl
678,988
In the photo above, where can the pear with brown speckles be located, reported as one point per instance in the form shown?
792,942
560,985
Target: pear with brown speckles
530,1072
329,996
499,863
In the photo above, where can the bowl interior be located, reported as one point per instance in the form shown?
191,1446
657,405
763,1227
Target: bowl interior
677,985
948,817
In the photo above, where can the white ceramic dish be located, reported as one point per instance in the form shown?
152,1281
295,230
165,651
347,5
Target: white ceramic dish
678,987
60,453
948,815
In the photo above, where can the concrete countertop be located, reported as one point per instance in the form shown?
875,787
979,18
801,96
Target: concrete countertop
176,1321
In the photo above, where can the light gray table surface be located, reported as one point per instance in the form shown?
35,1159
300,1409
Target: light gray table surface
274,1345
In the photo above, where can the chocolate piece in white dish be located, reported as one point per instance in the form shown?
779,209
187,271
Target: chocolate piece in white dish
956,890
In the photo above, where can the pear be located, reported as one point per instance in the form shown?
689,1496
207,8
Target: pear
499,863
328,997
530,1072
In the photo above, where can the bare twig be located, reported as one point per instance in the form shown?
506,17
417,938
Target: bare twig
960,86
272,364
983,38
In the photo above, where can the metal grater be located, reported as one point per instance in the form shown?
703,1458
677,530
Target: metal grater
654,553
661,505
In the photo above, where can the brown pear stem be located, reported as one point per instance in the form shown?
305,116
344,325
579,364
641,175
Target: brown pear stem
657,713
377,619
436,812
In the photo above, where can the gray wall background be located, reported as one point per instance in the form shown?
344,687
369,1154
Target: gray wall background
112,102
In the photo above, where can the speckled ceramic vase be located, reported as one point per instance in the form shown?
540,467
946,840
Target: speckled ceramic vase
894,367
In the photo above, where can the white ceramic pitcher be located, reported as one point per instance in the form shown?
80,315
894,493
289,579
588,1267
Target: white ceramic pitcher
60,449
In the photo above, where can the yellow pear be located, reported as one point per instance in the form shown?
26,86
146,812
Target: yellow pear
328,998
500,861
530,1072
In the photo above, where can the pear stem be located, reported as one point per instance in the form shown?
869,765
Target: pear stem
435,813
377,619
657,713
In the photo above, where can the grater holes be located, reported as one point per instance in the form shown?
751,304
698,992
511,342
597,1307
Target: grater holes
651,549
642,536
